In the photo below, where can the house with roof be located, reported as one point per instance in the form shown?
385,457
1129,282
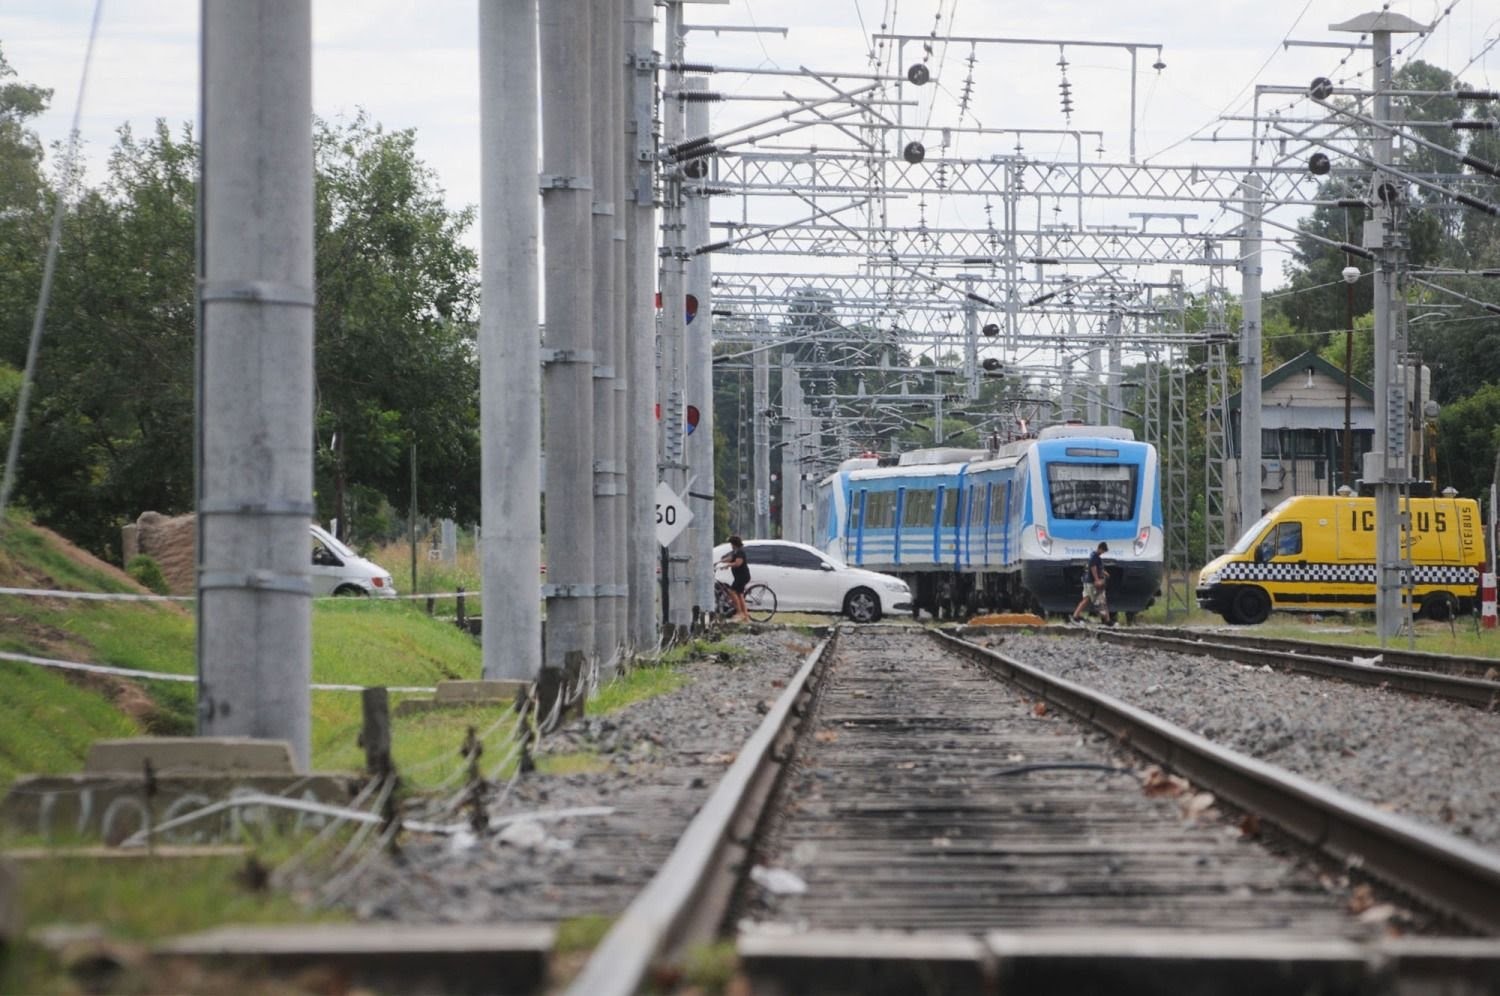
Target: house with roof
1301,434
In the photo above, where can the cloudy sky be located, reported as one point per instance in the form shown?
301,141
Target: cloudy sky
413,64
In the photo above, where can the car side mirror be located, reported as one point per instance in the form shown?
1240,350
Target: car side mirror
826,566
1262,553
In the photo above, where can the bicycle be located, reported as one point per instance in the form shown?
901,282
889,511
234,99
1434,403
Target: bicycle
760,601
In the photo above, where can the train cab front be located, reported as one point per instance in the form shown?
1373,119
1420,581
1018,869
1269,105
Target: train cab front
1133,565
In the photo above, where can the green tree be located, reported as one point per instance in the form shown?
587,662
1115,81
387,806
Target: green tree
23,228
110,433
397,303
1468,436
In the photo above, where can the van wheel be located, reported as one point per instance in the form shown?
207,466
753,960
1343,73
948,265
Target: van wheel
1251,606
862,606
1439,606
350,589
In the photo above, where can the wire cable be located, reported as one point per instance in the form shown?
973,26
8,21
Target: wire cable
49,268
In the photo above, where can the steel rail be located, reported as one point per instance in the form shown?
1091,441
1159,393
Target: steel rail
1417,660
1445,873
689,894
1479,692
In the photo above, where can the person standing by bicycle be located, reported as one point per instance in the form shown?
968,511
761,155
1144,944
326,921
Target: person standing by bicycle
739,572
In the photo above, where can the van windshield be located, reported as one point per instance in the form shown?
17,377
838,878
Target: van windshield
333,544
1245,542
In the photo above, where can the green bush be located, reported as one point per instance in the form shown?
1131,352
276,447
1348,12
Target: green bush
147,572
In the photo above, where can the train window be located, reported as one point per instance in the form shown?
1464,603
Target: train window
950,507
1092,490
918,508
880,510
856,505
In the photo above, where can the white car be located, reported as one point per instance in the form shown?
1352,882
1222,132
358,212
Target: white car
338,570
807,580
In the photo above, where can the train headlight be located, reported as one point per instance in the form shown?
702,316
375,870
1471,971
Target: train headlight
1043,540
1142,540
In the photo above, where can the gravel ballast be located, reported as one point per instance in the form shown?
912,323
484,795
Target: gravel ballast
655,762
1431,760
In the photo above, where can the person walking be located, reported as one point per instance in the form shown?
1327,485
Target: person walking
739,573
1095,582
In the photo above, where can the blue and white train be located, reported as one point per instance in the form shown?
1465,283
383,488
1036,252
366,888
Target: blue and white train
1005,529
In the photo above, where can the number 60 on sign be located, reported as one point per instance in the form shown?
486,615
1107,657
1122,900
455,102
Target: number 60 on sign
672,514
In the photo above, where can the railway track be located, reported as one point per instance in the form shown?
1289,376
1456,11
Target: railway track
1391,657
1470,680
939,830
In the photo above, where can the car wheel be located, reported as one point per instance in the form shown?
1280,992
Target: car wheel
862,605
353,590
1439,606
1251,606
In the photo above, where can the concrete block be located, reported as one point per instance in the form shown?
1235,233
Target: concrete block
190,756
1444,966
10,901
387,957
845,963
1124,962
474,692
112,807
169,852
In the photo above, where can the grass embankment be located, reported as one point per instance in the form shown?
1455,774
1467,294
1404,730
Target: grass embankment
48,717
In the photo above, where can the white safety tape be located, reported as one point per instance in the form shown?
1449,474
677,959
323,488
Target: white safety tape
94,596
104,596
126,672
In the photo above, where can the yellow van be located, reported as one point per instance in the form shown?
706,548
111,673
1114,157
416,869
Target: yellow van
1316,553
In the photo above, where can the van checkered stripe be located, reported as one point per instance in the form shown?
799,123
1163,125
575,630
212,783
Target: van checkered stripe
1344,573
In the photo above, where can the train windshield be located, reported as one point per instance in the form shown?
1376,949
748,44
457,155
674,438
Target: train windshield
1092,490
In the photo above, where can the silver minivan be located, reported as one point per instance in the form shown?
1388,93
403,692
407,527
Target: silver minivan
338,570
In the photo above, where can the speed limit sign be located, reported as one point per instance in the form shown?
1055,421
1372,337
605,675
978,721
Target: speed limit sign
672,514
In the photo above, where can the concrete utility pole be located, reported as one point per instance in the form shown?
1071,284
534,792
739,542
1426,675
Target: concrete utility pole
673,375
618,65
1116,369
1093,386
791,450
604,135
761,450
255,373
569,350
640,353
1250,350
971,340
1386,466
700,374
510,410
